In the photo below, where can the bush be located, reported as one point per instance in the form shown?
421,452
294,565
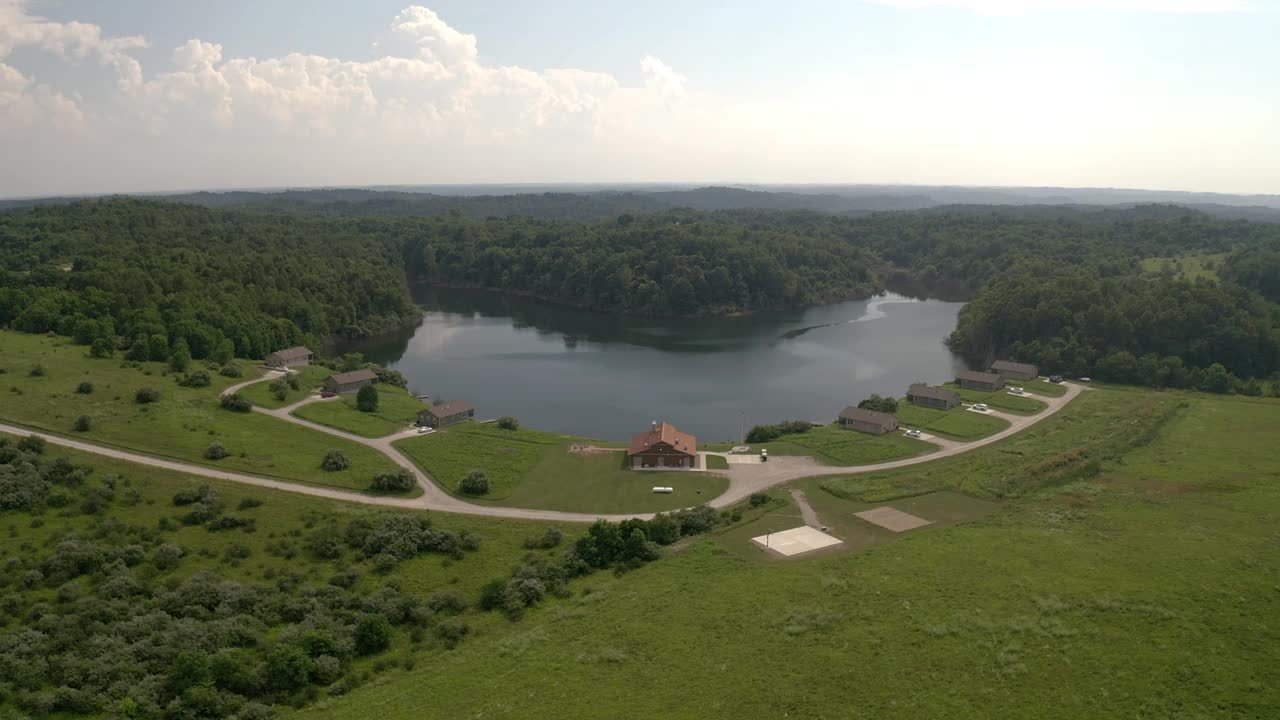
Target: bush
758,499
216,451
85,388
551,538
765,433
235,403
398,481
373,634
475,483
506,422
102,348
37,370
146,396
231,370
196,379
247,503
367,399
279,389
451,632
335,460
83,423
33,444
450,601
880,404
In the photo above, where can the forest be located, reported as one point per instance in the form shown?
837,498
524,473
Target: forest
143,277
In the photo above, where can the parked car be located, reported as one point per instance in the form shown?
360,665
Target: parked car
327,394
913,433
1055,379
1016,390
1085,379
981,407
422,430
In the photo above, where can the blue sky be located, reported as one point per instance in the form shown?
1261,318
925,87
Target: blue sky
147,95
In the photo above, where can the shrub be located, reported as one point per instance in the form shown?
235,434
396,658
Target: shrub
475,483
367,399
247,503
37,370
83,423
235,403
279,389
85,388
291,379
506,422
335,460
195,379
166,557
450,601
146,396
451,632
216,451
373,634
880,404
550,538
765,433
102,348
398,481
231,370
758,499
33,444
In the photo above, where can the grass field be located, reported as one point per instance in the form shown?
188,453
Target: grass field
957,423
181,425
715,462
309,378
1001,400
397,410
1186,267
529,468
1129,571
833,445
1041,387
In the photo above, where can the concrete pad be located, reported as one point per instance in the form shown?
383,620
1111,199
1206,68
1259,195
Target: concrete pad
743,459
891,519
980,412
795,541
923,435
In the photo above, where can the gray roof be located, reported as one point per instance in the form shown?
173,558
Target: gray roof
929,391
1010,366
292,353
975,376
868,416
354,376
453,407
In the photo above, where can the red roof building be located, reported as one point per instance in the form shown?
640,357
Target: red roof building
663,446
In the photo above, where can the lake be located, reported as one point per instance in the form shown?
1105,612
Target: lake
602,376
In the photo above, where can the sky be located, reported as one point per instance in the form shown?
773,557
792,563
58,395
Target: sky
100,96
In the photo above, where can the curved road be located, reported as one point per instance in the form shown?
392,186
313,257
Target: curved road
743,479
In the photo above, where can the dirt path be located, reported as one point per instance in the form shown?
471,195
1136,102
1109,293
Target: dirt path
743,479
806,510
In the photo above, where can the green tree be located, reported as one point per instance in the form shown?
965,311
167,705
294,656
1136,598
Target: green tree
180,358
83,423
372,634
224,352
157,348
367,399
102,348
475,482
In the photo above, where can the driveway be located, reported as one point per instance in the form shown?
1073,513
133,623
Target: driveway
744,479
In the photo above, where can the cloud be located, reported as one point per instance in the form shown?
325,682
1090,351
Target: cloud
1011,7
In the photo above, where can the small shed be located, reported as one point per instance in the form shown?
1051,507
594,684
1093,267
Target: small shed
974,380
932,397
290,357
446,413
350,381
1015,371
868,421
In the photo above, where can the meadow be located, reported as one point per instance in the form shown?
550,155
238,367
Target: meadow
1186,267
530,468
310,378
181,425
1118,562
956,423
397,410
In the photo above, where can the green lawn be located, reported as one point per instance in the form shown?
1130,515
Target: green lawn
715,462
832,445
1001,399
1042,387
1129,571
309,378
957,423
530,468
397,410
181,425
1186,267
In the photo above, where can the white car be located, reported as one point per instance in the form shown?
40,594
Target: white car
981,407
423,430
1015,390
913,433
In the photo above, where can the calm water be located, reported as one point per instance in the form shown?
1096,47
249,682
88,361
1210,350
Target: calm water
606,377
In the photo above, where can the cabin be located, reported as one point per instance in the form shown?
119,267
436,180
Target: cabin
974,380
932,397
350,381
867,421
446,413
290,357
663,447
1015,371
